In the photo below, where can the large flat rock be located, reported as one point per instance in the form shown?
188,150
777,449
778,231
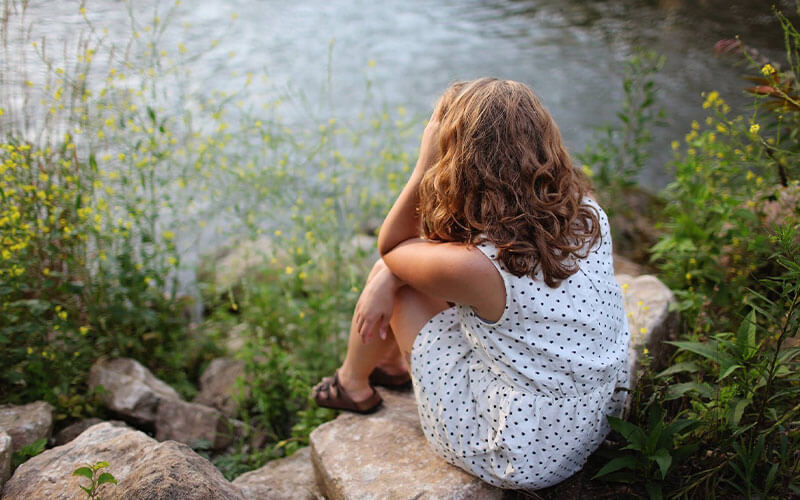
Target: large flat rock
290,478
385,456
26,423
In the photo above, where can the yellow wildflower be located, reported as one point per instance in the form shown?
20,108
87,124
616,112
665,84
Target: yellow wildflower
168,235
289,269
754,128
767,69
642,330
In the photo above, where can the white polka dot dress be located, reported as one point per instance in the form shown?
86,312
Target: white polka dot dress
522,403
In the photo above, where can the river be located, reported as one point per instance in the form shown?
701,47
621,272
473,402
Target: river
570,51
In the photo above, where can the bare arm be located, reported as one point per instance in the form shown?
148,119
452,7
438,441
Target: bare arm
402,222
453,272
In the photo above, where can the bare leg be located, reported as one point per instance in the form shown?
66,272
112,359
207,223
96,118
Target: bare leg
412,310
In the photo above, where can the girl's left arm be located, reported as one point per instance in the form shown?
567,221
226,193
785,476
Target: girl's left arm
453,272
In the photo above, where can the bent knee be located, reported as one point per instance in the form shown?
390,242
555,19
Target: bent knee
411,311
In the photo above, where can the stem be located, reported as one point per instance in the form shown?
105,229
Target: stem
774,364
781,170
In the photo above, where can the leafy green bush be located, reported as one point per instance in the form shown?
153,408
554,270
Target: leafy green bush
730,250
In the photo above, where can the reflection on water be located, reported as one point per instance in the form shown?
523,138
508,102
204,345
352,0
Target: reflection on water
569,51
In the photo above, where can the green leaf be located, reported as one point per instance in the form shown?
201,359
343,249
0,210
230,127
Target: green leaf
746,336
633,434
708,350
737,410
686,366
100,465
654,490
727,370
664,461
83,471
624,462
106,477
676,391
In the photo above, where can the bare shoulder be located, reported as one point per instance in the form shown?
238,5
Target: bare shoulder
454,272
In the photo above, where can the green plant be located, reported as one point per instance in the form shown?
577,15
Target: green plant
618,153
651,451
28,451
95,477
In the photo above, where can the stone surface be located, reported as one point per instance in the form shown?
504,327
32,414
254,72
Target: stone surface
172,470
144,469
5,458
386,456
26,423
130,389
290,478
72,431
647,302
218,385
624,265
193,424
49,474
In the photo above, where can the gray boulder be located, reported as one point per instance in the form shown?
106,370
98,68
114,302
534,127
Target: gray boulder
193,424
143,468
218,385
130,389
27,423
647,303
5,458
172,470
290,478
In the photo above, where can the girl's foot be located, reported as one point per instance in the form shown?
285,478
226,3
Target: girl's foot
392,379
330,393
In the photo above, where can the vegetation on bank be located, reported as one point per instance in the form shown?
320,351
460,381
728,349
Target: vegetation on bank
112,168
721,419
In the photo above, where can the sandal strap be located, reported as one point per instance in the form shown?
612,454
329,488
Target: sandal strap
343,401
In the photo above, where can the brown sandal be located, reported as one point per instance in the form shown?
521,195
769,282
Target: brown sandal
383,379
342,400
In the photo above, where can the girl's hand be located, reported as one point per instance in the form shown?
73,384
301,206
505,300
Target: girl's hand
375,305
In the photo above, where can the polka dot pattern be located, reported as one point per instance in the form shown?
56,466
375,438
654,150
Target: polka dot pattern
521,403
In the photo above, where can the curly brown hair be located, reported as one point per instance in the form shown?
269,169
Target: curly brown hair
504,176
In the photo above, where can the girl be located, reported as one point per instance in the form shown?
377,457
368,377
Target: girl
507,310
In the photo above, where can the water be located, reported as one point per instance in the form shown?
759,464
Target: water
570,52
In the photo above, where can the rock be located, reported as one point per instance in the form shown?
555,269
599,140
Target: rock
385,455
27,423
172,470
5,458
49,474
143,468
647,303
218,385
193,424
287,478
237,338
72,431
130,389
624,265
